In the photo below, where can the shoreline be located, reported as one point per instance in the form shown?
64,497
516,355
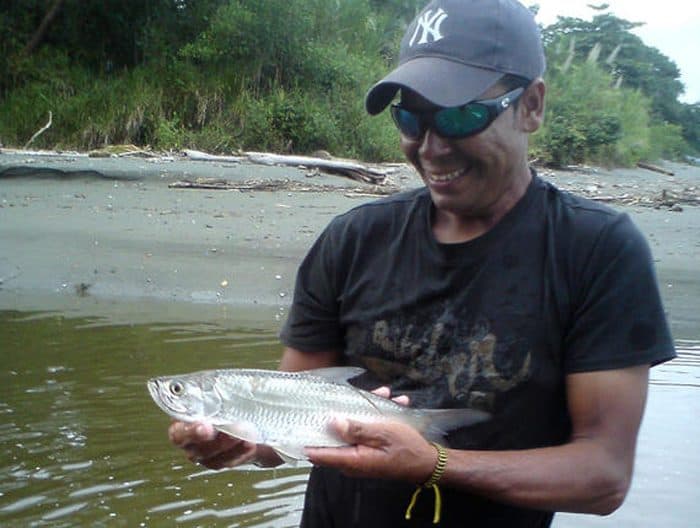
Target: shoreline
110,237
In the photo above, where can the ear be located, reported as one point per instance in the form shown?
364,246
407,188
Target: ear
531,106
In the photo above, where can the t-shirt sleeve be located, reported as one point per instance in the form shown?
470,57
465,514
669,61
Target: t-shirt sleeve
618,319
313,321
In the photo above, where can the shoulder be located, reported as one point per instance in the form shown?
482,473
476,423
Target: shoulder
574,209
382,213
582,222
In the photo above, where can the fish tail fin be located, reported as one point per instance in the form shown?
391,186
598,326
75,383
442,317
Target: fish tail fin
434,424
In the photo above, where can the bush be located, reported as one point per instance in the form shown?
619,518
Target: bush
590,121
667,142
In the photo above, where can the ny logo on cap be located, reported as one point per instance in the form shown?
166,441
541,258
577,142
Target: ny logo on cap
430,24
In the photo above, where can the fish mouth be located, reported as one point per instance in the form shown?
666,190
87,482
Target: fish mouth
153,385
153,388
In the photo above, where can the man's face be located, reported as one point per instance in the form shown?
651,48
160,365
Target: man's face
468,177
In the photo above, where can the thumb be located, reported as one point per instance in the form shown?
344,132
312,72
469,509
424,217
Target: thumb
205,431
354,432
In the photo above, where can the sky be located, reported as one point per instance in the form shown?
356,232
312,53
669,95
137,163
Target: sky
671,26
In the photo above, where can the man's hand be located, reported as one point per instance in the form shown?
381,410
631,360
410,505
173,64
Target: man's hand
387,450
206,446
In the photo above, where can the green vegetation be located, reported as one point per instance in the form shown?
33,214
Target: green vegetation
290,76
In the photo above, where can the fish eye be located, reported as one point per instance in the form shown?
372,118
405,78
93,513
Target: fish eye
176,388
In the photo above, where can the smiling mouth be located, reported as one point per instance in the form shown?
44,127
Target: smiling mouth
447,177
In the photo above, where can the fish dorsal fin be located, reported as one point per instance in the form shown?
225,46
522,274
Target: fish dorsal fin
336,374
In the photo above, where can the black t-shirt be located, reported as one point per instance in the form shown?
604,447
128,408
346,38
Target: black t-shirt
560,285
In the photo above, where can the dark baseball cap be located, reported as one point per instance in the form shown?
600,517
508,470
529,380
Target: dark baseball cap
455,50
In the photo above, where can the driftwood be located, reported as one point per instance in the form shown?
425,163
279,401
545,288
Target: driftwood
282,185
40,131
122,151
350,169
196,155
654,168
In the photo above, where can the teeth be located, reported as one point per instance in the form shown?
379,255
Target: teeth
446,177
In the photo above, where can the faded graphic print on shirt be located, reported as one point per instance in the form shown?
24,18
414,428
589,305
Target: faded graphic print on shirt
439,358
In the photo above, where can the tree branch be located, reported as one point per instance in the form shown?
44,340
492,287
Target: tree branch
40,131
41,30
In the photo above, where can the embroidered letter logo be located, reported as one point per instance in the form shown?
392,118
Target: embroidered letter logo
430,24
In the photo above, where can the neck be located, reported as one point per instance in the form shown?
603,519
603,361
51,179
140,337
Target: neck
454,227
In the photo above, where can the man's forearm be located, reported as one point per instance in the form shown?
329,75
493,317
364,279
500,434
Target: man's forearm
580,477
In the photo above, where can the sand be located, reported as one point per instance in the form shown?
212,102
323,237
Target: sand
110,237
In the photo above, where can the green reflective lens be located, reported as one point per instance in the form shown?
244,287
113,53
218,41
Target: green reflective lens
461,121
453,122
407,122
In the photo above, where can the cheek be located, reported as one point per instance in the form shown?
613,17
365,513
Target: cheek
409,149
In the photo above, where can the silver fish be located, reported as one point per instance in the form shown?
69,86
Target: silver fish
290,410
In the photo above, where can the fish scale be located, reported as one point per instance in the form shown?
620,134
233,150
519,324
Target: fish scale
290,410
277,424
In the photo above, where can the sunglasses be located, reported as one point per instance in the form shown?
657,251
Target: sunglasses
454,122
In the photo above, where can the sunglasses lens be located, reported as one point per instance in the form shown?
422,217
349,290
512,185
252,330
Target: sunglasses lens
461,121
407,122
455,122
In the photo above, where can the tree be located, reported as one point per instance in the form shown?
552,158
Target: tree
624,55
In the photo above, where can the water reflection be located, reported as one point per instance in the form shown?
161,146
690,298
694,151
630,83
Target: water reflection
82,443
684,371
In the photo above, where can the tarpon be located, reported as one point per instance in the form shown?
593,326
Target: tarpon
290,410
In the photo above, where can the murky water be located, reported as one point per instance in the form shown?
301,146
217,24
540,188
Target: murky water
81,443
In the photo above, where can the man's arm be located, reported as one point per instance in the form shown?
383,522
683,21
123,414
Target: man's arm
204,445
294,359
589,474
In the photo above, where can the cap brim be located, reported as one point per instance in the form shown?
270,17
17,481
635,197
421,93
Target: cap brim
440,81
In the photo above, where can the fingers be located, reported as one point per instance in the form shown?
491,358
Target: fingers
354,433
360,436
385,392
203,445
241,453
182,434
389,450
402,400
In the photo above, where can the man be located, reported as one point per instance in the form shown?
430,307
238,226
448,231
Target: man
488,288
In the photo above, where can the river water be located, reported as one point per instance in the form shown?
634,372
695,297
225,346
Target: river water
83,444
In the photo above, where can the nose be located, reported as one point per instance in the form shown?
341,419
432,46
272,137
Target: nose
433,145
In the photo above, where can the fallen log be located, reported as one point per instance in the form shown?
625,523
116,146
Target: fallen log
350,169
655,168
347,168
196,155
281,185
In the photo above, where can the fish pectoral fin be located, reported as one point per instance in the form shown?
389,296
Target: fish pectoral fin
336,374
290,454
241,430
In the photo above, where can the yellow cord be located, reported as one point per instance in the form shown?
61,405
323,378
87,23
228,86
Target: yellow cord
439,469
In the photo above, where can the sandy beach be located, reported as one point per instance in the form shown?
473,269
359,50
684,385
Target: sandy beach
113,237
111,271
